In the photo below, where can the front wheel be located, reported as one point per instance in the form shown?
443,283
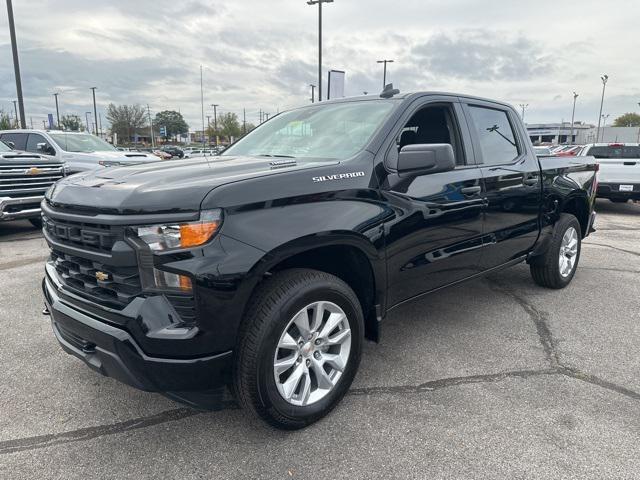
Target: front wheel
557,266
299,347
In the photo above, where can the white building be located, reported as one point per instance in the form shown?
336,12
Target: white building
560,133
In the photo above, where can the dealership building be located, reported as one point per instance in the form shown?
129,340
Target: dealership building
560,133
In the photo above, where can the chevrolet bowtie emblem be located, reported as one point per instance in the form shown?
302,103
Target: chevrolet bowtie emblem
33,171
102,276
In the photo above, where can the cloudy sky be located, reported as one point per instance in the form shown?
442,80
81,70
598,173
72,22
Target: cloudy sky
262,54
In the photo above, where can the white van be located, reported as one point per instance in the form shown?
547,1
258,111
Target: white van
79,151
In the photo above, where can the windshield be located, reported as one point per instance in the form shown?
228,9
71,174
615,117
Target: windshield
81,142
333,131
4,147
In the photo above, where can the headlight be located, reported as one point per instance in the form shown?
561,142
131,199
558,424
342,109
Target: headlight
161,238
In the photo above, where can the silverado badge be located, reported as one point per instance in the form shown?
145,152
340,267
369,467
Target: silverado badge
102,276
33,171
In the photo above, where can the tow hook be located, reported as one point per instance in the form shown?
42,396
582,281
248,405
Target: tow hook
45,310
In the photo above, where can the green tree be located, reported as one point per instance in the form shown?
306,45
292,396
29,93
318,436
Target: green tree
229,125
172,121
72,123
5,121
125,120
627,120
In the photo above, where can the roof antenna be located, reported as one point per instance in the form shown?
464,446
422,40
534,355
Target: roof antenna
389,91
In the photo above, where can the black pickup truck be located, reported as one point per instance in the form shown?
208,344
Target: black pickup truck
265,268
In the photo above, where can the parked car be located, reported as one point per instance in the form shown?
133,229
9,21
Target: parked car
24,177
161,154
570,151
619,175
79,151
195,153
173,151
268,270
542,151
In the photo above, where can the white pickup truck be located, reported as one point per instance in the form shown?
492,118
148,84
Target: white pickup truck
78,151
619,175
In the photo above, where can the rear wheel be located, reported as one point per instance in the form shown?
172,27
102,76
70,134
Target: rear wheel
557,266
299,347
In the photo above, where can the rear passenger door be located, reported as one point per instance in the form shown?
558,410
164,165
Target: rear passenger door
512,182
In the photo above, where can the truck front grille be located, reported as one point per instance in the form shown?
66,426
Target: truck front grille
107,285
91,235
24,178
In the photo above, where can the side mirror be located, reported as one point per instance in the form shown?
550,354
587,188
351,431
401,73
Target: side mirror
12,145
424,159
46,148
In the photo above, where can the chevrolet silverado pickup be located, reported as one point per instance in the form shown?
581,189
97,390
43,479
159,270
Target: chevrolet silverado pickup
265,268
24,177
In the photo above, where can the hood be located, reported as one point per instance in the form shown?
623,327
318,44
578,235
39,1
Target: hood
122,157
24,158
165,186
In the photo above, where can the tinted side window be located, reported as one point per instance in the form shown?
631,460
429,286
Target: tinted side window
631,152
34,140
19,140
495,134
605,152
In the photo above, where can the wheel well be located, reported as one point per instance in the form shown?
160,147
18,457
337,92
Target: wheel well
579,208
349,264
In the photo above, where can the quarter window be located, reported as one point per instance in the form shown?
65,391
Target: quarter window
495,134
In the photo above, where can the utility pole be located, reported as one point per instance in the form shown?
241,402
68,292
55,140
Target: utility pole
57,109
202,104
523,106
573,114
319,2
244,121
638,128
16,64
215,120
260,116
15,107
384,75
86,118
101,133
44,124
95,111
313,91
153,140
266,115
604,79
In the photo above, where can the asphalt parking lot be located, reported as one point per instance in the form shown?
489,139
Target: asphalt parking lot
496,378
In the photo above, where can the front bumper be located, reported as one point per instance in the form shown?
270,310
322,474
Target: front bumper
113,352
21,207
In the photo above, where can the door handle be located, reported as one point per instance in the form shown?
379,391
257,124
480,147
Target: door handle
471,190
530,182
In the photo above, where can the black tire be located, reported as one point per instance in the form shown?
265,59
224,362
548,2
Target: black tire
619,200
271,309
36,222
545,269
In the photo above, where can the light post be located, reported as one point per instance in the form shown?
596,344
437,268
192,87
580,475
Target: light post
15,107
319,2
57,110
95,111
604,79
313,90
604,124
638,141
215,120
523,106
16,64
573,114
384,74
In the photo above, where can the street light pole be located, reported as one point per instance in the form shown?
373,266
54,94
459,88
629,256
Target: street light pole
604,79
313,90
523,106
638,128
95,111
384,74
86,118
57,109
16,64
153,140
215,120
573,114
319,2
15,107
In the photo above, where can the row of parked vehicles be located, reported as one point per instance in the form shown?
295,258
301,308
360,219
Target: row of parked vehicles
168,152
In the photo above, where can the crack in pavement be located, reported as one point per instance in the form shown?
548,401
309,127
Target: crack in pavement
630,252
22,262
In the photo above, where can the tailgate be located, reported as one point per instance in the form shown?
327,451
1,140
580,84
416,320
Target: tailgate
619,170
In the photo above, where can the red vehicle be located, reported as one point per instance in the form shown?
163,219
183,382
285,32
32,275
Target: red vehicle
569,152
